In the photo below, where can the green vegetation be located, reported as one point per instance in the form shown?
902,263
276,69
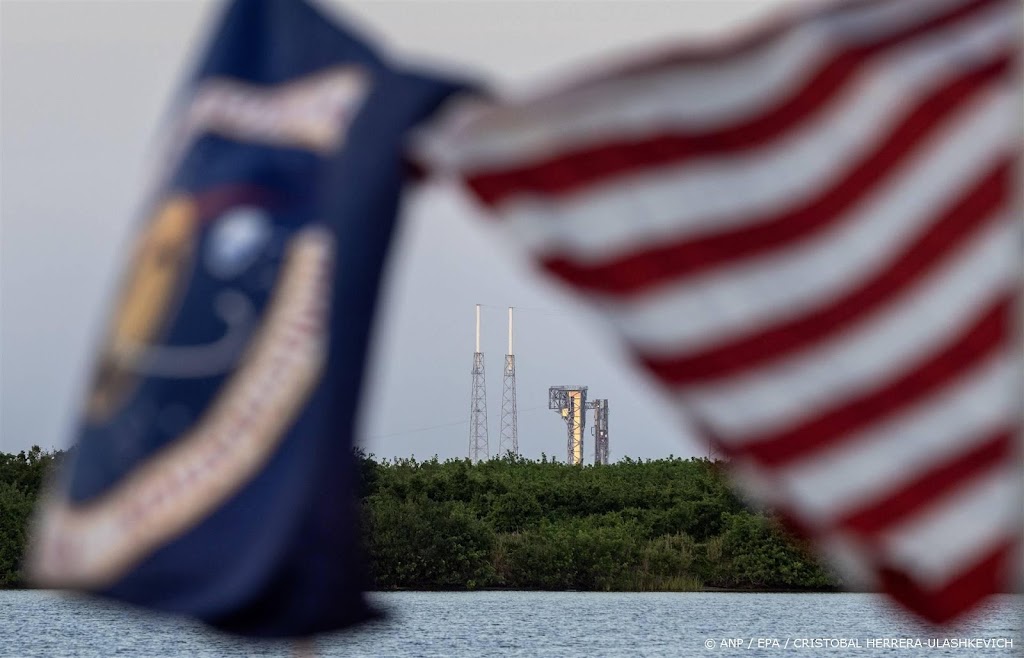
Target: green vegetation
662,525
21,477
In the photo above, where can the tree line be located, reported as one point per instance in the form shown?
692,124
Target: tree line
654,525
667,524
21,478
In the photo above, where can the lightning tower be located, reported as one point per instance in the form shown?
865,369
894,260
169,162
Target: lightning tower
478,445
509,439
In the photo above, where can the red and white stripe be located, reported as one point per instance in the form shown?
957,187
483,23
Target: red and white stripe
812,239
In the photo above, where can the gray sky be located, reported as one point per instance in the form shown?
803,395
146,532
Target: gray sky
84,90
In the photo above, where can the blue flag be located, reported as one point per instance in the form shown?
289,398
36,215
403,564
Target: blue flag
213,473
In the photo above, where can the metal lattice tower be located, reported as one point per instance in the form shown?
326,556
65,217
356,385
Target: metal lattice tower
600,430
509,439
478,444
571,403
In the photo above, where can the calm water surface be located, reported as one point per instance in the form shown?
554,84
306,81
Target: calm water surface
571,624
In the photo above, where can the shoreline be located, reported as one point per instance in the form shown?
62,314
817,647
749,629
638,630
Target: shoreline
703,590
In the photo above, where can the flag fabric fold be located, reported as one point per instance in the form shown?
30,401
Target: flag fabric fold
213,472
811,238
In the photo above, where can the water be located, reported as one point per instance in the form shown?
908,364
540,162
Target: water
569,624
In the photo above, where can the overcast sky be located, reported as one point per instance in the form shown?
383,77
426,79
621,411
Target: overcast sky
84,89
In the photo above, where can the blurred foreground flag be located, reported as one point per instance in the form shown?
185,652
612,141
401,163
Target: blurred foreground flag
811,238
213,473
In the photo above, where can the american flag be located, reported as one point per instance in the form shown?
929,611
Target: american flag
810,236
